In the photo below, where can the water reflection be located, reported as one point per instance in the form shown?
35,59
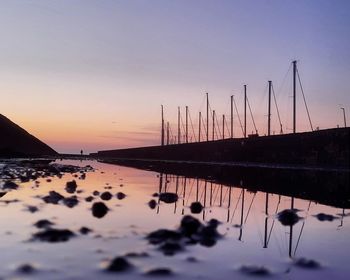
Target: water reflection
246,192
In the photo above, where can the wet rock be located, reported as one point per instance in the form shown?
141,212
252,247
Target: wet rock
2,194
96,193
43,223
288,217
170,248
54,235
255,270
53,197
26,268
85,230
137,255
106,196
155,195
192,259
118,264
120,195
162,235
89,198
189,226
32,209
307,263
70,201
99,209
196,207
152,204
161,271
10,185
71,186
325,217
168,197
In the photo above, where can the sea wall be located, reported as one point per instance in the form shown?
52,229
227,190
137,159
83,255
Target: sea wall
322,148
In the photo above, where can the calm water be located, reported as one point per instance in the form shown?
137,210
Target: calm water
252,235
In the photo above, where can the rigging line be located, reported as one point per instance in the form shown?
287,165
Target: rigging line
307,109
239,119
219,134
302,229
278,112
234,211
250,206
183,132
203,123
217,192
189,194
194,134
251,114
273,222
223,199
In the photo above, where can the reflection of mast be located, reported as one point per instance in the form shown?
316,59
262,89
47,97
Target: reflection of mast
205,198
266,218
221,187
176,190
184,195
291,230
160,189
211,194
197,191
229,203
242,212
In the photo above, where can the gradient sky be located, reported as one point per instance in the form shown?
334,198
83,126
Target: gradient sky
92,74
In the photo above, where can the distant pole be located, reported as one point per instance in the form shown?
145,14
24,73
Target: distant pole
294,94
223,126
167,133
231,116
344,116
186,124
269,111
162,133
207,117
199,126
178,126
213,123
245,111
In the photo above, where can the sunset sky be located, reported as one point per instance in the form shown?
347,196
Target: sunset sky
91,75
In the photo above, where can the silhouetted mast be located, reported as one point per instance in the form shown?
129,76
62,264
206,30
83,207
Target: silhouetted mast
178,126
223,126
213,124
162,133
207,117
186,124
245,111
269,111
294,94
231,116
167,133
199,126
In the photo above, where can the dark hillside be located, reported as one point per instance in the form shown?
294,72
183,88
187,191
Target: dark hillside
16,142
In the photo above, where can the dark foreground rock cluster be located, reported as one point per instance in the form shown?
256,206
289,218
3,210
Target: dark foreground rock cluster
191,231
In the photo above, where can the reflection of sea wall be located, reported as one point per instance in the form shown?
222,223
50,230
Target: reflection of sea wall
326,187
323,148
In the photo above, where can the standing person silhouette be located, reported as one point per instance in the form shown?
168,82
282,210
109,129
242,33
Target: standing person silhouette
81,152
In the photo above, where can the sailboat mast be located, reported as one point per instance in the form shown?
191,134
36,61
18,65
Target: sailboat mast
199,126
207,117
162,133
269,111
178,126
294,94
231,116
245,111
186,124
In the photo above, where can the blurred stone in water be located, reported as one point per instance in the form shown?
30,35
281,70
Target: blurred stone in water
168,197
196,207
106,196
71,186
325,217
288,217
54,235
118,264
99,209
